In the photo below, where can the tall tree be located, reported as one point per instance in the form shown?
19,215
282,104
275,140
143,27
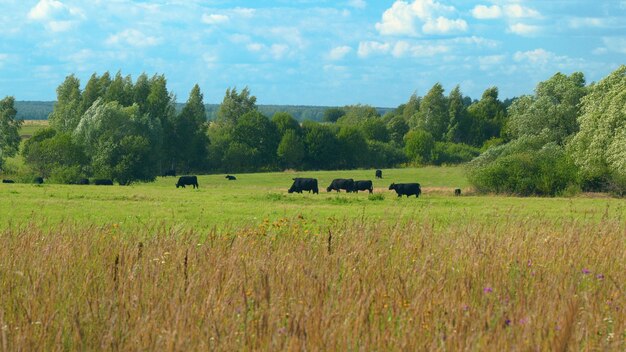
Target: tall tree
433,114
91,93
291,149
9,129
235,105
191,132
67,109
256,131
487,117
285,122
458,123
333,114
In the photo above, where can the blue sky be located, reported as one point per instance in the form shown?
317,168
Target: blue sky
306,52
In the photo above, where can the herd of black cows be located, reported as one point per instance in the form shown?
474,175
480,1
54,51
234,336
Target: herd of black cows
299,185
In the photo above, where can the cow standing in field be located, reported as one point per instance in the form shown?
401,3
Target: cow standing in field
363,185
379,173
8,181
231,178
103,182
38,180
457,192
304,184
187,181
341,183
83,181
406,189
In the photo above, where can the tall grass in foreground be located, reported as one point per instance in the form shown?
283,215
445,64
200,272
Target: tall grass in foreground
523,285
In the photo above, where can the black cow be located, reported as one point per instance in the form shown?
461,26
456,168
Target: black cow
379,173
363,185
38,180
170,172
457,192
103,182
83,181
304,184
231,178
406,189
187,181
8,181
341,183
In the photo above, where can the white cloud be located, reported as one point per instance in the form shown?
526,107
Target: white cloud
524,29
372,47
519,11
255,47
56,16
359,4
483,12
583,22
132,37
243,12
444,25
214,18
404,48
615,44
403,19
488,62
537,56
279,51
339,53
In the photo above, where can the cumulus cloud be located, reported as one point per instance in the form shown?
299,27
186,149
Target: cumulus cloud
214,18
369,48
615,44
585,22
339,53
488,62
420,16
524,29
132,37
483,12
56,16
404,48
537,56
358,4
510,11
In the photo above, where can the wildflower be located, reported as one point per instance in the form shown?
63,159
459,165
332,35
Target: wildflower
529,263
586,271
523,321
600,277
282,330
487,290
466,307
507,322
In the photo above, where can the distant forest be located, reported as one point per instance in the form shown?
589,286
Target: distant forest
40,110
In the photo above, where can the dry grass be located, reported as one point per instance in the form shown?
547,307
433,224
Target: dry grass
534,285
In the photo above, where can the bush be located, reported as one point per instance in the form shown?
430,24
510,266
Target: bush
66,174
548,171
453,153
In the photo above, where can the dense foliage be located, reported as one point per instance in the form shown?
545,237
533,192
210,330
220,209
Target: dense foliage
9,129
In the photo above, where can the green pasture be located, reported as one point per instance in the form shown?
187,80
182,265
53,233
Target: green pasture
255,198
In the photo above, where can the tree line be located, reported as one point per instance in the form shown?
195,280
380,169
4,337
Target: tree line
565,137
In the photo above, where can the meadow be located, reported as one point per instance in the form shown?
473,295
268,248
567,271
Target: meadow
242,265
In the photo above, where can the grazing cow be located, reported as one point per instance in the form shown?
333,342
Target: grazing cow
341,183
170,172
83,181
187,181
103,182
363,185
379,173
231,178
38,180
8,181
304,184
406,189
457,192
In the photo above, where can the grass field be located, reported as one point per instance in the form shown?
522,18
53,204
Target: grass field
29,127
242,265
256,197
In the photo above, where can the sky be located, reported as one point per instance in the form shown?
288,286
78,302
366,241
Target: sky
305,52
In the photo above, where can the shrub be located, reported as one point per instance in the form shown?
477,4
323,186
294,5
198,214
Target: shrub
453,153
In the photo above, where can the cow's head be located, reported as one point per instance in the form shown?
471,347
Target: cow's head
392,186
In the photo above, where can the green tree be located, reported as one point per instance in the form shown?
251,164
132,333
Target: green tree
553,109
599,148
398,127
235,105
291,149
67,109
356,114
458,124
321,146
433,116
120,90
487,117
48,153
9,129
333,114
190,133
285,122
91,93
411,108
419,145
257,132
375,129
352,144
